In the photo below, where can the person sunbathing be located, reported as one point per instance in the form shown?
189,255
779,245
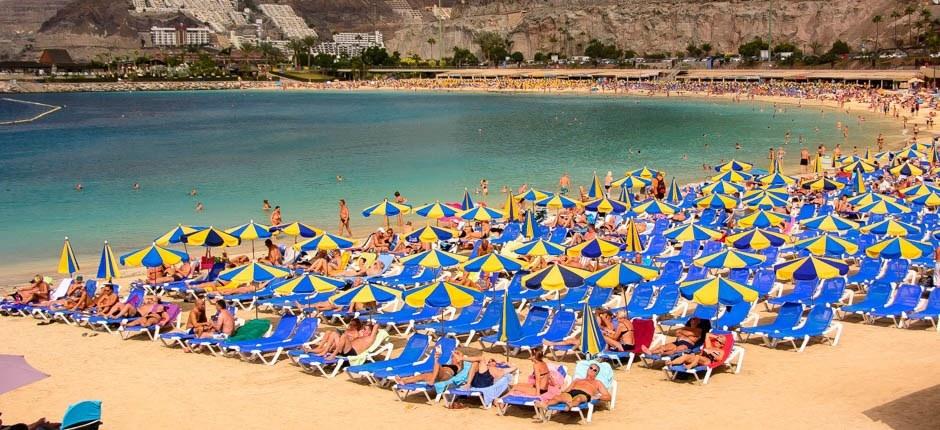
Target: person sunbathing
222,323
579,391
686,338
72,294
274,257
621,338
712,351
355,340
197,320
154,313
128,310
440,372
483,373
539,380
173,274
105,300
36,292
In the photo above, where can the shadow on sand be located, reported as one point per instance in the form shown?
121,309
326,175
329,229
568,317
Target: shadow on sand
914,411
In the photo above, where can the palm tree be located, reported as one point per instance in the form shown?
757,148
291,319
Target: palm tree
310,42
909,11
876,20
706,48
894,19
924,23
295,45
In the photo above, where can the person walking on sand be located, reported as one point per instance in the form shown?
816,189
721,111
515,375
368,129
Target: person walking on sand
400,199
804,160
564,183
344,218
276,216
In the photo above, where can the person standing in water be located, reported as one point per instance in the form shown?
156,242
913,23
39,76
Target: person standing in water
344,218
265,206
276,216
400,199
564,183
136,186
484,188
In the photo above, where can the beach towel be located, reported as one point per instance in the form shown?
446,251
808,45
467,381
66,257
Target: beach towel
253,329
493,392
457,380
606,375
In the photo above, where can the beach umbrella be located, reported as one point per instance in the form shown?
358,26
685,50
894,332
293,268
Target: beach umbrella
606,205
626,198
673,193
433,258
595,248
252,232
511,209
691,231
722,187
735,165
596,190
509,327
882,158
15,372
777,178
631,238
324,242
910,153
107,265
592,340
67,261
645,173
729,259
823,184
365,293
818,167
858,166
766,201
252,272
906,169
297,229
775,165
654,207
176,234
891,227
757,239
930,199
480,213
858,184
732,176
466,203
920,189
716,201
211,238
829,223
153,256
776,192
899,247
869,198
529,225
710,292
430,234
868,155
534,195
621,274
631,182
386,209
557,202
309,284
491,263
539,248
555,277
884,207
827,244
810,268
442,294
920,147
762,219
436,210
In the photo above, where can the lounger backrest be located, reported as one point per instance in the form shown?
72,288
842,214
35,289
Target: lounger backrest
671,271
764,281
907,295
91,286
490,315
172,312
559,234
705,312
468,314
643,332
62,289
739,275
933,302
599,296
696,273
284,327
447,345
562,323
575,295
668,297
735,314
415,347
805,287
535,320
640,298
788,315
306,329
214,271
831,290
135,297
725,350
818,318
878,294
711,248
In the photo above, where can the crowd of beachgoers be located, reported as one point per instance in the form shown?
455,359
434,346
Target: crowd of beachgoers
629,270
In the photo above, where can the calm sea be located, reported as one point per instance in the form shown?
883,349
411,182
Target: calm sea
237,148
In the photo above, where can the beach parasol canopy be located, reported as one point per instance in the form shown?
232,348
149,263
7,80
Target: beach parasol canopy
441,295
491,263
655,207
480,213
766,201
436,210
509,327
691,231
324,242
176,234
596,190
592,340
899,247
621,274
777,178
297,229
762,218
732,176
539,248
722,187
823,184
710,292
884,207
891,227
107,265
595,248
735,165
757,239
365,293
433,258
828,245
910,153
929,199
607,206
558,202
534,195
555,277
250,231
430,234
673,193
15,372
529,226
818,167
858,166
153,256
511,209
716,201
829,223
631,238
857,186
386,208
868,198
810,268
729,259
309,284
466,203
631,182
920,189
68,264
627,198
644,172
211,237
906,169
252,272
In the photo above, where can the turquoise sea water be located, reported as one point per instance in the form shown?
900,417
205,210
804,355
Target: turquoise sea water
238,148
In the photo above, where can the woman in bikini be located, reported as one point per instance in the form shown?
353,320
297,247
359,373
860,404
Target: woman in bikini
686,338
540,379
441,372
712,352
621,339
150,314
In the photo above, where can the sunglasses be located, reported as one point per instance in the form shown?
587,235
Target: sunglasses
595,369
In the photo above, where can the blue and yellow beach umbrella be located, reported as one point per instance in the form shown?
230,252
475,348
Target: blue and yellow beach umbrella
858,166
910,153
529,225
433,258
757,239
540,248
297,229
778,192
309,284
509,327
891,227
67,261
735,165
729,259
777,178
766,201
899,247
480,213
823,184
631,182
153,256
252,272
829,223
812,267
722,187
250,231
655,207
710,292
466,203
621,274
631,238
869,198
717,201
386,208
627,198
605,205
732,176
430,234
884,207
324,242
492,263
858,184
691,231
644,172
818,167
534,195
176,234
556,277
596,190
920,189
595,248
442,295
558,202
673,193
775,165
906,169
762,219
211,237
929,199
592,339
436,210
365,293
511,209
827,244
107,265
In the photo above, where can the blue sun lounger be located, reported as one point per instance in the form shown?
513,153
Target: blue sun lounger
704,312
666,301
94,322
878,295
446,346
788,316
414,349
486,323
467,315
586,409
503,403
153,331
573,298
735,316
303,335
558,330
803,292
285,326
906,299
929,313
404,319
312,363
818,324
533,324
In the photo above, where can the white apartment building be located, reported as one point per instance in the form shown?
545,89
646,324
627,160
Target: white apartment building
287,22
164,36
365,39
179,36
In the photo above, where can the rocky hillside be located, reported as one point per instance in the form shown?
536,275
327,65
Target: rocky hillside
104,18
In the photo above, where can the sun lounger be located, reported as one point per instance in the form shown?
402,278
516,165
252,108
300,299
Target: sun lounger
503,403
817,324
558,330
94,322
414,349
217,346
533,324
467,315
765,282
666,301
643,335
788,315
731,355
906,299
446,346
586,409
704,312
269,350
803,292
878,295
153,331
735,316
486,323
572,299
404,319
931,312
486,395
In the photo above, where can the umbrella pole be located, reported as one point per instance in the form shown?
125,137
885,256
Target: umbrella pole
252,249
256,293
